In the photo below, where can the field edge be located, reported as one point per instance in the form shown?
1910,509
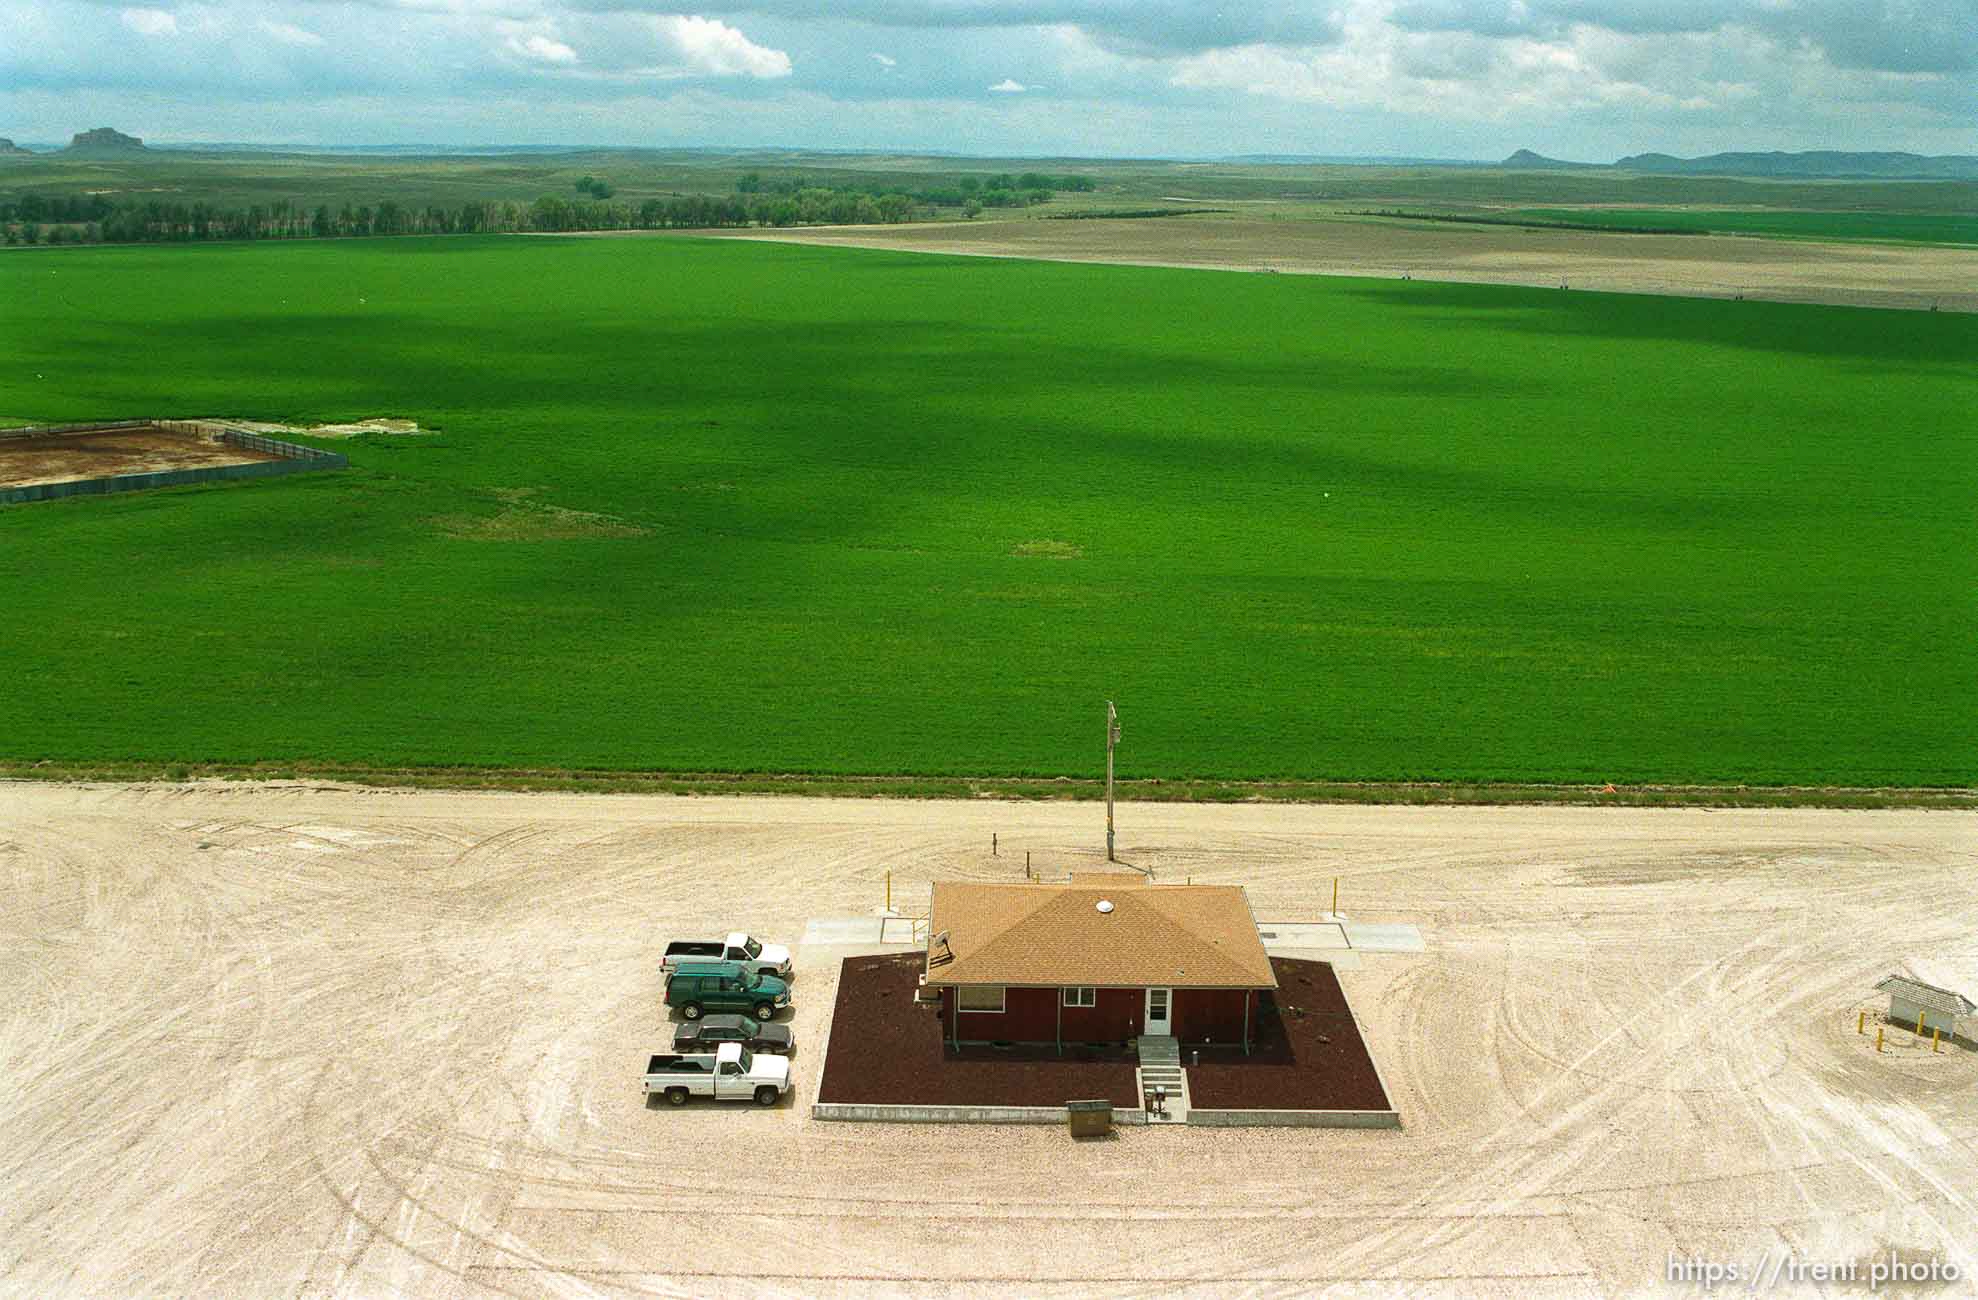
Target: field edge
1018,789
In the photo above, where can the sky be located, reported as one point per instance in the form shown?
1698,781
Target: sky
1583,79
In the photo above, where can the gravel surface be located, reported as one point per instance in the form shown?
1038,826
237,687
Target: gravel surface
281,1040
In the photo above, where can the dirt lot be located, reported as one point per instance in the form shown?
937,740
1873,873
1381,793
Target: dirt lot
58,458
282,1040
1853,274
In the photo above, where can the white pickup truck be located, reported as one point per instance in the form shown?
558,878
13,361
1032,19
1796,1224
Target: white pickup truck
756,957
729,1073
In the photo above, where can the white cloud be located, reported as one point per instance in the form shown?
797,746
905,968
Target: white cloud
542,49
290,34
885,61
716,49
535,42
151,22
1008,87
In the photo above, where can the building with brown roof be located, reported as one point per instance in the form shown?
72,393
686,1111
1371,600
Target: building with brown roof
1099,959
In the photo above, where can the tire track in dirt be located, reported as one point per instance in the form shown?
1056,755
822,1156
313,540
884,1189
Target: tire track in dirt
398,1036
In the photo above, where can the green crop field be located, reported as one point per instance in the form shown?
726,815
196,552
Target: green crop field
713,505
1889,227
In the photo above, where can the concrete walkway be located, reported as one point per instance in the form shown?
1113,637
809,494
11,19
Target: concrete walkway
1160,1066
863,930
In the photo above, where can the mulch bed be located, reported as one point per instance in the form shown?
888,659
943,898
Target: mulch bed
1308,1054
885,1051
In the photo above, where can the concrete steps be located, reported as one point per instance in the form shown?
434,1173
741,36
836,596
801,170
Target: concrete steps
1160,1066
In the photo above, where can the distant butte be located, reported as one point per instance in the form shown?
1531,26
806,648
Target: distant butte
104,140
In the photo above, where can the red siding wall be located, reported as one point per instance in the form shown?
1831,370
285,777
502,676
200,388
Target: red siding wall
1114,1019
1030,1015
1211,1015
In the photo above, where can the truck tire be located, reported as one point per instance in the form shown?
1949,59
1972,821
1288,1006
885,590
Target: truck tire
676,1096
765,1011
766,1095
691,1011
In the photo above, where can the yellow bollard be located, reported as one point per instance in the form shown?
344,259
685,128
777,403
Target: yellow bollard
1335,895
1861,1023
1878,1038
1937,1040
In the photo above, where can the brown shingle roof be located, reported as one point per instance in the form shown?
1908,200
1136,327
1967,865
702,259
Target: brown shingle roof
1927,995
1185,936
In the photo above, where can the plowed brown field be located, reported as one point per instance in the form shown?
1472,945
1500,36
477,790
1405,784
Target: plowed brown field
1852,274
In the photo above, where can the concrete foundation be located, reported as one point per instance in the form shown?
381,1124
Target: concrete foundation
1295,1118
875,1114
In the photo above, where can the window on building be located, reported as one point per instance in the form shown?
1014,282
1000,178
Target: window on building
1085,997
981,997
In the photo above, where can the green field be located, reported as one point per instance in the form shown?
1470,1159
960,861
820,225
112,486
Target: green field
713,505
1889,227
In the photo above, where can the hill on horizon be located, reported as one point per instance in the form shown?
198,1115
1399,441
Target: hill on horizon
104,140
1816,163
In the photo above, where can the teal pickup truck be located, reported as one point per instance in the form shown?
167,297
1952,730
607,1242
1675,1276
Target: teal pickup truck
695,988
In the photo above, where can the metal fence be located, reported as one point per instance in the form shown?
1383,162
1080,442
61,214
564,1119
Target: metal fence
286,450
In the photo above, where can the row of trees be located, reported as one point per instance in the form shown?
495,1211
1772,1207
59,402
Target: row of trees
32,219
970,193
978,186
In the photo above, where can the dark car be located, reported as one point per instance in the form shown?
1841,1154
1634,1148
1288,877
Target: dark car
705,1034
724,986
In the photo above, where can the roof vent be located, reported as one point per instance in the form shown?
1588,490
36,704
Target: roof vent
1105,905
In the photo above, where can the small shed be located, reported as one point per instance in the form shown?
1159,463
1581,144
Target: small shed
1924,1007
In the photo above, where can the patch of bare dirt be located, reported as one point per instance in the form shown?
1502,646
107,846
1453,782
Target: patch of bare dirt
350,430
65,457
522,520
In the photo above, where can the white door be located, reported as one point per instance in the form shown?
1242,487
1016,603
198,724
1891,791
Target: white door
1157,1012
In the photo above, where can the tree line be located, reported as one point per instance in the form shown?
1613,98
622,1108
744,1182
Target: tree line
970,193
96,219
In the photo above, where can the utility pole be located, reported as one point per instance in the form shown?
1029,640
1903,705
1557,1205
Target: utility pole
1112,738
